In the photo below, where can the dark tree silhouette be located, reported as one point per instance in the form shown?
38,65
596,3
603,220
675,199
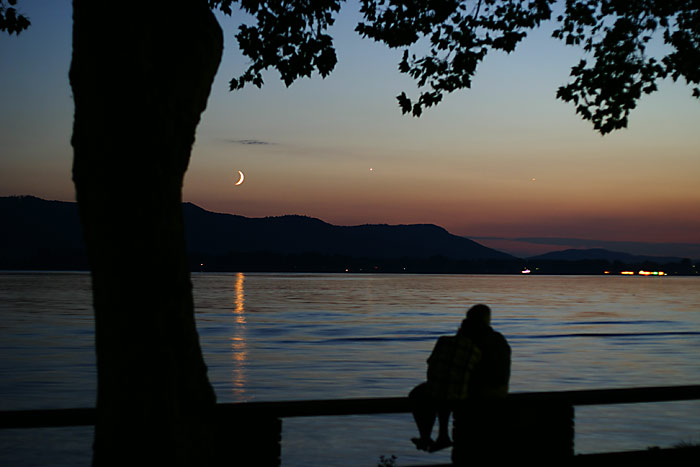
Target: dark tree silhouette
141,78
10,20
618,35
454,36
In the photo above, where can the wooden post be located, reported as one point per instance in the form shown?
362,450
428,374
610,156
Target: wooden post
249,441
508,431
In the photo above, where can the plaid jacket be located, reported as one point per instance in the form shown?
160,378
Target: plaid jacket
450,367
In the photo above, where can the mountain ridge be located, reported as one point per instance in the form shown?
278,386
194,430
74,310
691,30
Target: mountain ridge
42,234
304,234
47,234
581,254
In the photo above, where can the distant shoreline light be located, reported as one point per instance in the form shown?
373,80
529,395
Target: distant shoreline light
644,273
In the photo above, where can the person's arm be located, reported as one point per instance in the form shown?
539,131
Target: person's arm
434,357
503,362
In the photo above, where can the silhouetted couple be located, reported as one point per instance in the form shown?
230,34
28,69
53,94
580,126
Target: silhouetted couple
474,364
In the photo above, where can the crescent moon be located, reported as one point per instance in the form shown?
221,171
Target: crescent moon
240,180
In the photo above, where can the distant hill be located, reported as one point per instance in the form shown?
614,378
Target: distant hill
44,234
211,233
602,254
40,234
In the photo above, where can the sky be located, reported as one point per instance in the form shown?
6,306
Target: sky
504,163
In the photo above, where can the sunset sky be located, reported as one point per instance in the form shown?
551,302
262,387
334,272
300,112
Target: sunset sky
504,159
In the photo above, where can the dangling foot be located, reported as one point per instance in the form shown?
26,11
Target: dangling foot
424,444
441,443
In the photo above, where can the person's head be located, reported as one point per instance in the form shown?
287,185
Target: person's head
479,315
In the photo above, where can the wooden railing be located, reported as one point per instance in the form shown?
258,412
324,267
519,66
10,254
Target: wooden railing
380,405
265,416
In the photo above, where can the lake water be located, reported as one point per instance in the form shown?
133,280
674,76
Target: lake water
322,336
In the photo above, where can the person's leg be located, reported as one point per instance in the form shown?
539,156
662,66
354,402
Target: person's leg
443,440
424,415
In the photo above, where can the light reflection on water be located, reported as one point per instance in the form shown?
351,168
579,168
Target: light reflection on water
239,351
308,336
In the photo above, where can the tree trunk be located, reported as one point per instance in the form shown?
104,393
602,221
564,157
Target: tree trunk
141,77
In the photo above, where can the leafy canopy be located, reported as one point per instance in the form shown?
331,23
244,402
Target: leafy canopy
458,34
10,20
617,33
454,36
